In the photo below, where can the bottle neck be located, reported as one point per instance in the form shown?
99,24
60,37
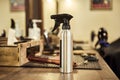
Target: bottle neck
34,25
66,25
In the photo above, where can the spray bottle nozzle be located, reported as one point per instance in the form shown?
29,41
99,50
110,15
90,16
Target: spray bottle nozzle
36,20
61,18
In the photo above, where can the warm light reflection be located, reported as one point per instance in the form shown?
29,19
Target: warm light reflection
49,0
69,2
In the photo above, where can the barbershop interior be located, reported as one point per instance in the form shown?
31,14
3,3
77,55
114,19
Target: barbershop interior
59,39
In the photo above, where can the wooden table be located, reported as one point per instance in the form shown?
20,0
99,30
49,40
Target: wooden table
20,73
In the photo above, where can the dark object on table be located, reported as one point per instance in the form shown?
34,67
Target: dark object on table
102,40
112,56
22,40
43,60
89,57
40,63
77,48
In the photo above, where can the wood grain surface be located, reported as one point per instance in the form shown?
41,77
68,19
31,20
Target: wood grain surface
20,73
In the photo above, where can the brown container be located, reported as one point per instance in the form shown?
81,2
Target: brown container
16,55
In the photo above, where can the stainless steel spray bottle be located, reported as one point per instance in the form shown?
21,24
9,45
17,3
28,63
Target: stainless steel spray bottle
66,42
66,50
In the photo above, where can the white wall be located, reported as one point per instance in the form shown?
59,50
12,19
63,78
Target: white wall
49,8
83,22
6,15
86,20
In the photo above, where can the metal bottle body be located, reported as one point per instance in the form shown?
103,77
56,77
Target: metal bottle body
66,52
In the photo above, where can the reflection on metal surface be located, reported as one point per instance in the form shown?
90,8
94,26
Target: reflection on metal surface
66,76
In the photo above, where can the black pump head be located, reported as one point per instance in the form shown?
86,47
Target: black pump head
61,18
12,24
30,24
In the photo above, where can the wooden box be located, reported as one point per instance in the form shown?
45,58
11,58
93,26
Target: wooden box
15,55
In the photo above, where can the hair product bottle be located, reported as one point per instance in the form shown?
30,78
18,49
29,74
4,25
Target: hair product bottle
66,42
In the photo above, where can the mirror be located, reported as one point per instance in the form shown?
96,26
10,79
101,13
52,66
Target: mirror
6,14
85,20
